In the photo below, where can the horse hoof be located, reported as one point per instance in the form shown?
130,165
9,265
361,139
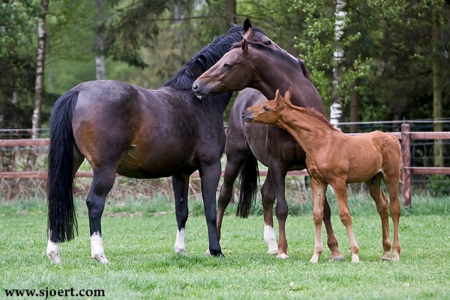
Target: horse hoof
337,258
283,256
55,259
272,252
101,258
207,252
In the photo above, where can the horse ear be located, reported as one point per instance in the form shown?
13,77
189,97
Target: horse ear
278,98
244,46
247,25
287,96
249,34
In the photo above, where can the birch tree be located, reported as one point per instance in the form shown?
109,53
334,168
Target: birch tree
39,87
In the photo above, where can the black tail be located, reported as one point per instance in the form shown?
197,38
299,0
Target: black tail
249,185
62,220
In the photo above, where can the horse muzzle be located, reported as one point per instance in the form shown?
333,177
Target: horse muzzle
247,115
197,89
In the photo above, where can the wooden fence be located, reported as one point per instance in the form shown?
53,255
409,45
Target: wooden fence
405,136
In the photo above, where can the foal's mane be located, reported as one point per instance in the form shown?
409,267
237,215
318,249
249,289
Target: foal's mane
281,54
313,113
206,58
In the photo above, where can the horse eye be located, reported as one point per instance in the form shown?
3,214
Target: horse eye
265,108
269,42
228,66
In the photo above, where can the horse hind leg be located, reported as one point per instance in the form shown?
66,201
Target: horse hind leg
382,207
391,183
101,185
53,249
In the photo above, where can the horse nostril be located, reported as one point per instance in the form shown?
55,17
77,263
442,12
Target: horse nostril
195,86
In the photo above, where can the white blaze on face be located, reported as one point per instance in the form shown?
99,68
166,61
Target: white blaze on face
53,252
270,239
180,247
97,251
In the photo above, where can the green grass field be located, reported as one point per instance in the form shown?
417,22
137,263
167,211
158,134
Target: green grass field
144,266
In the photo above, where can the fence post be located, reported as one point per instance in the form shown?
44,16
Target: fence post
406,156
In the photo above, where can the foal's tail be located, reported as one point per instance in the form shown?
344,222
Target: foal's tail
249,186
61,209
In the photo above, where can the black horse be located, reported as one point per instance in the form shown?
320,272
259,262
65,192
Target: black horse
140,133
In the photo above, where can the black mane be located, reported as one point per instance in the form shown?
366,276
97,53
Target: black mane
206,58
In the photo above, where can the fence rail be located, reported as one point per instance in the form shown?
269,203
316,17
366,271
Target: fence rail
405,136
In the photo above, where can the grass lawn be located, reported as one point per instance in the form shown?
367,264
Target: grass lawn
144,266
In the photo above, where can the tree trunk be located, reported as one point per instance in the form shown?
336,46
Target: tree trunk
39,86
100,58
437,89
335,108
230,12
354,108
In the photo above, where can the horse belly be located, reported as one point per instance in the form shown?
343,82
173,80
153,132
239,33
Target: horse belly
364,164
154,162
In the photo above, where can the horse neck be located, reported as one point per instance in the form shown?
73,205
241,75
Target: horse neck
311,133
282,73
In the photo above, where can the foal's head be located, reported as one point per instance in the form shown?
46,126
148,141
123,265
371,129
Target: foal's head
268,112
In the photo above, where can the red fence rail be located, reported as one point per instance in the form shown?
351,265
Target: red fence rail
405,136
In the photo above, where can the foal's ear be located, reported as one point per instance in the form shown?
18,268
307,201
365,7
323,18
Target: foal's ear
244,46
278,98
287,96
249,34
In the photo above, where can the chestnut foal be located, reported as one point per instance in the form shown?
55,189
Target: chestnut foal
336,158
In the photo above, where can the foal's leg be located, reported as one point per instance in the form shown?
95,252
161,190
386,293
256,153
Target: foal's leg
340,189
319,190
268,195
101,185
180,185
210,175
332,243
394,207
382,207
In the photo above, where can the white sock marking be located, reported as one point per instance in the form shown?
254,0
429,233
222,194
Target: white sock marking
180,247
53,252
97,251
270,239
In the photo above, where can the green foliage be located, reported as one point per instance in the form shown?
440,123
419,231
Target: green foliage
439,185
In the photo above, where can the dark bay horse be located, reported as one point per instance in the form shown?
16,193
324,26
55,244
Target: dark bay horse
140,133
258,66
337,159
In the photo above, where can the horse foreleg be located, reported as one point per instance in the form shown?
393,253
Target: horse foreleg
319,190
340,189
278,176
268,199
180,185
101,185
209,176
332,242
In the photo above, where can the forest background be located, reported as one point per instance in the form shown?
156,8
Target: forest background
395,63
